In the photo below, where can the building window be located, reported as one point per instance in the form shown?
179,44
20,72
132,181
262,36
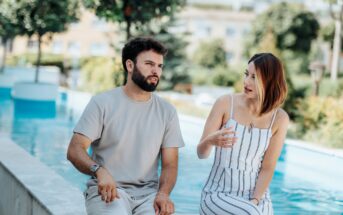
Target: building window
202,29
74,48
57,47
98,49
99,24
229,57
230,32
32,46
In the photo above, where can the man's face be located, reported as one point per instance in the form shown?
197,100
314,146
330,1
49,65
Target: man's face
147,70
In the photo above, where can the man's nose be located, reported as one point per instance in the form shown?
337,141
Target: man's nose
155,70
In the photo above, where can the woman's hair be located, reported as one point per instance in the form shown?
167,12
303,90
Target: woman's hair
270,81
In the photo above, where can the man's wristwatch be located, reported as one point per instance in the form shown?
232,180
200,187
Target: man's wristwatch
93,168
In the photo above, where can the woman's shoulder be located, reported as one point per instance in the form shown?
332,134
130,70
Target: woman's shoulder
223,102
227,98
281,117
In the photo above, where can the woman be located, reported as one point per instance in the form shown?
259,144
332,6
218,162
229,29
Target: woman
248,131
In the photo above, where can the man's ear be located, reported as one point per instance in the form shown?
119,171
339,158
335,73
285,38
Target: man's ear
129,65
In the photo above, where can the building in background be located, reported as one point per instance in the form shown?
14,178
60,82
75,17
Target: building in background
208,24
90,36
204,20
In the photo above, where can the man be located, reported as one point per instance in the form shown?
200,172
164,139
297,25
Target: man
129,129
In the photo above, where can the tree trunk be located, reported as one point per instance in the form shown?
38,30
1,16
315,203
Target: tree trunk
127,10
38,58
2,69
336,52
128,27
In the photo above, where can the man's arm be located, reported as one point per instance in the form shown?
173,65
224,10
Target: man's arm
163,205
77,155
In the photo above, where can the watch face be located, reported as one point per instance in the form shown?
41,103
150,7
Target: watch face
94,168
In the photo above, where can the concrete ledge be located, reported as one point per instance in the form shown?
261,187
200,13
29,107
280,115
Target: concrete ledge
30,187
35,91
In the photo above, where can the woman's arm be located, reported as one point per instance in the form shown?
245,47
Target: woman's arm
272,155
211,134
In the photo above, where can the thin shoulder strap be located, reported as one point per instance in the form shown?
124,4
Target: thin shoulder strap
231,113
274,115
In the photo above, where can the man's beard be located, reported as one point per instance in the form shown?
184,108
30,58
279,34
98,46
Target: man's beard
142,81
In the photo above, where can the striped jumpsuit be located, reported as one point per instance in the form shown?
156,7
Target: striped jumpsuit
234,173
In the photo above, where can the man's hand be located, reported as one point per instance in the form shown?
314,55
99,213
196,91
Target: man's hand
106,185
163,205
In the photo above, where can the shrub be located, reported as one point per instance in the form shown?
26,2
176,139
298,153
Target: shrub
100,74
320,120
222,76
47,60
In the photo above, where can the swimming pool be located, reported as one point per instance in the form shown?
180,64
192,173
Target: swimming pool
305,181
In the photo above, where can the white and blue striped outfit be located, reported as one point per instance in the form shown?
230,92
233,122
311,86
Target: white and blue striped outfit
234,173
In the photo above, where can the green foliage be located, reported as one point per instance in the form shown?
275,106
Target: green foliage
331,89
222,76
211,54
131,12
200,75
293,28
296,62
48,16
327,33
100,74
320,120
9,27
46,60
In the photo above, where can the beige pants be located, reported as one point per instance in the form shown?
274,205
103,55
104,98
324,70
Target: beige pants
126,205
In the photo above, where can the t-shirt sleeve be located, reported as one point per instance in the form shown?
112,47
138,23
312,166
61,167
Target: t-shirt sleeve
91,122
172,136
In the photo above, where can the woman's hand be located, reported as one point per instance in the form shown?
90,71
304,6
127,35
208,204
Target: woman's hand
224,138
254,201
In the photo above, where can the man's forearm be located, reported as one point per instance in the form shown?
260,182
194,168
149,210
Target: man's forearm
167,179
80,159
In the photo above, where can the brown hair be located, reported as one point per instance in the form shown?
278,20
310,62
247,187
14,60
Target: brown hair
271,82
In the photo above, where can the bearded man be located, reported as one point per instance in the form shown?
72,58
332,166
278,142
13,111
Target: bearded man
129,129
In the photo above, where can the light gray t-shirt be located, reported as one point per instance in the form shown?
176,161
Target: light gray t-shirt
127,137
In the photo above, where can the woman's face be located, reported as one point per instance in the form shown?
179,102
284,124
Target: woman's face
250,87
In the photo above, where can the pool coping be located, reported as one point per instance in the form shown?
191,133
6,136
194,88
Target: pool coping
50,190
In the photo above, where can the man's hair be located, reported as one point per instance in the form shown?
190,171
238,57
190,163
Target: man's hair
270,80
140,44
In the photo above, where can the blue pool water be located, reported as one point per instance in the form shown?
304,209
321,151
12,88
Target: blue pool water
305,181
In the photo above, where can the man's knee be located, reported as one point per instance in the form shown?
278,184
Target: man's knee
96,206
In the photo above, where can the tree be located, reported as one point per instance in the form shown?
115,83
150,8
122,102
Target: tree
41,17
8,27
336,51
327,34
132,12
293,29
211,54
